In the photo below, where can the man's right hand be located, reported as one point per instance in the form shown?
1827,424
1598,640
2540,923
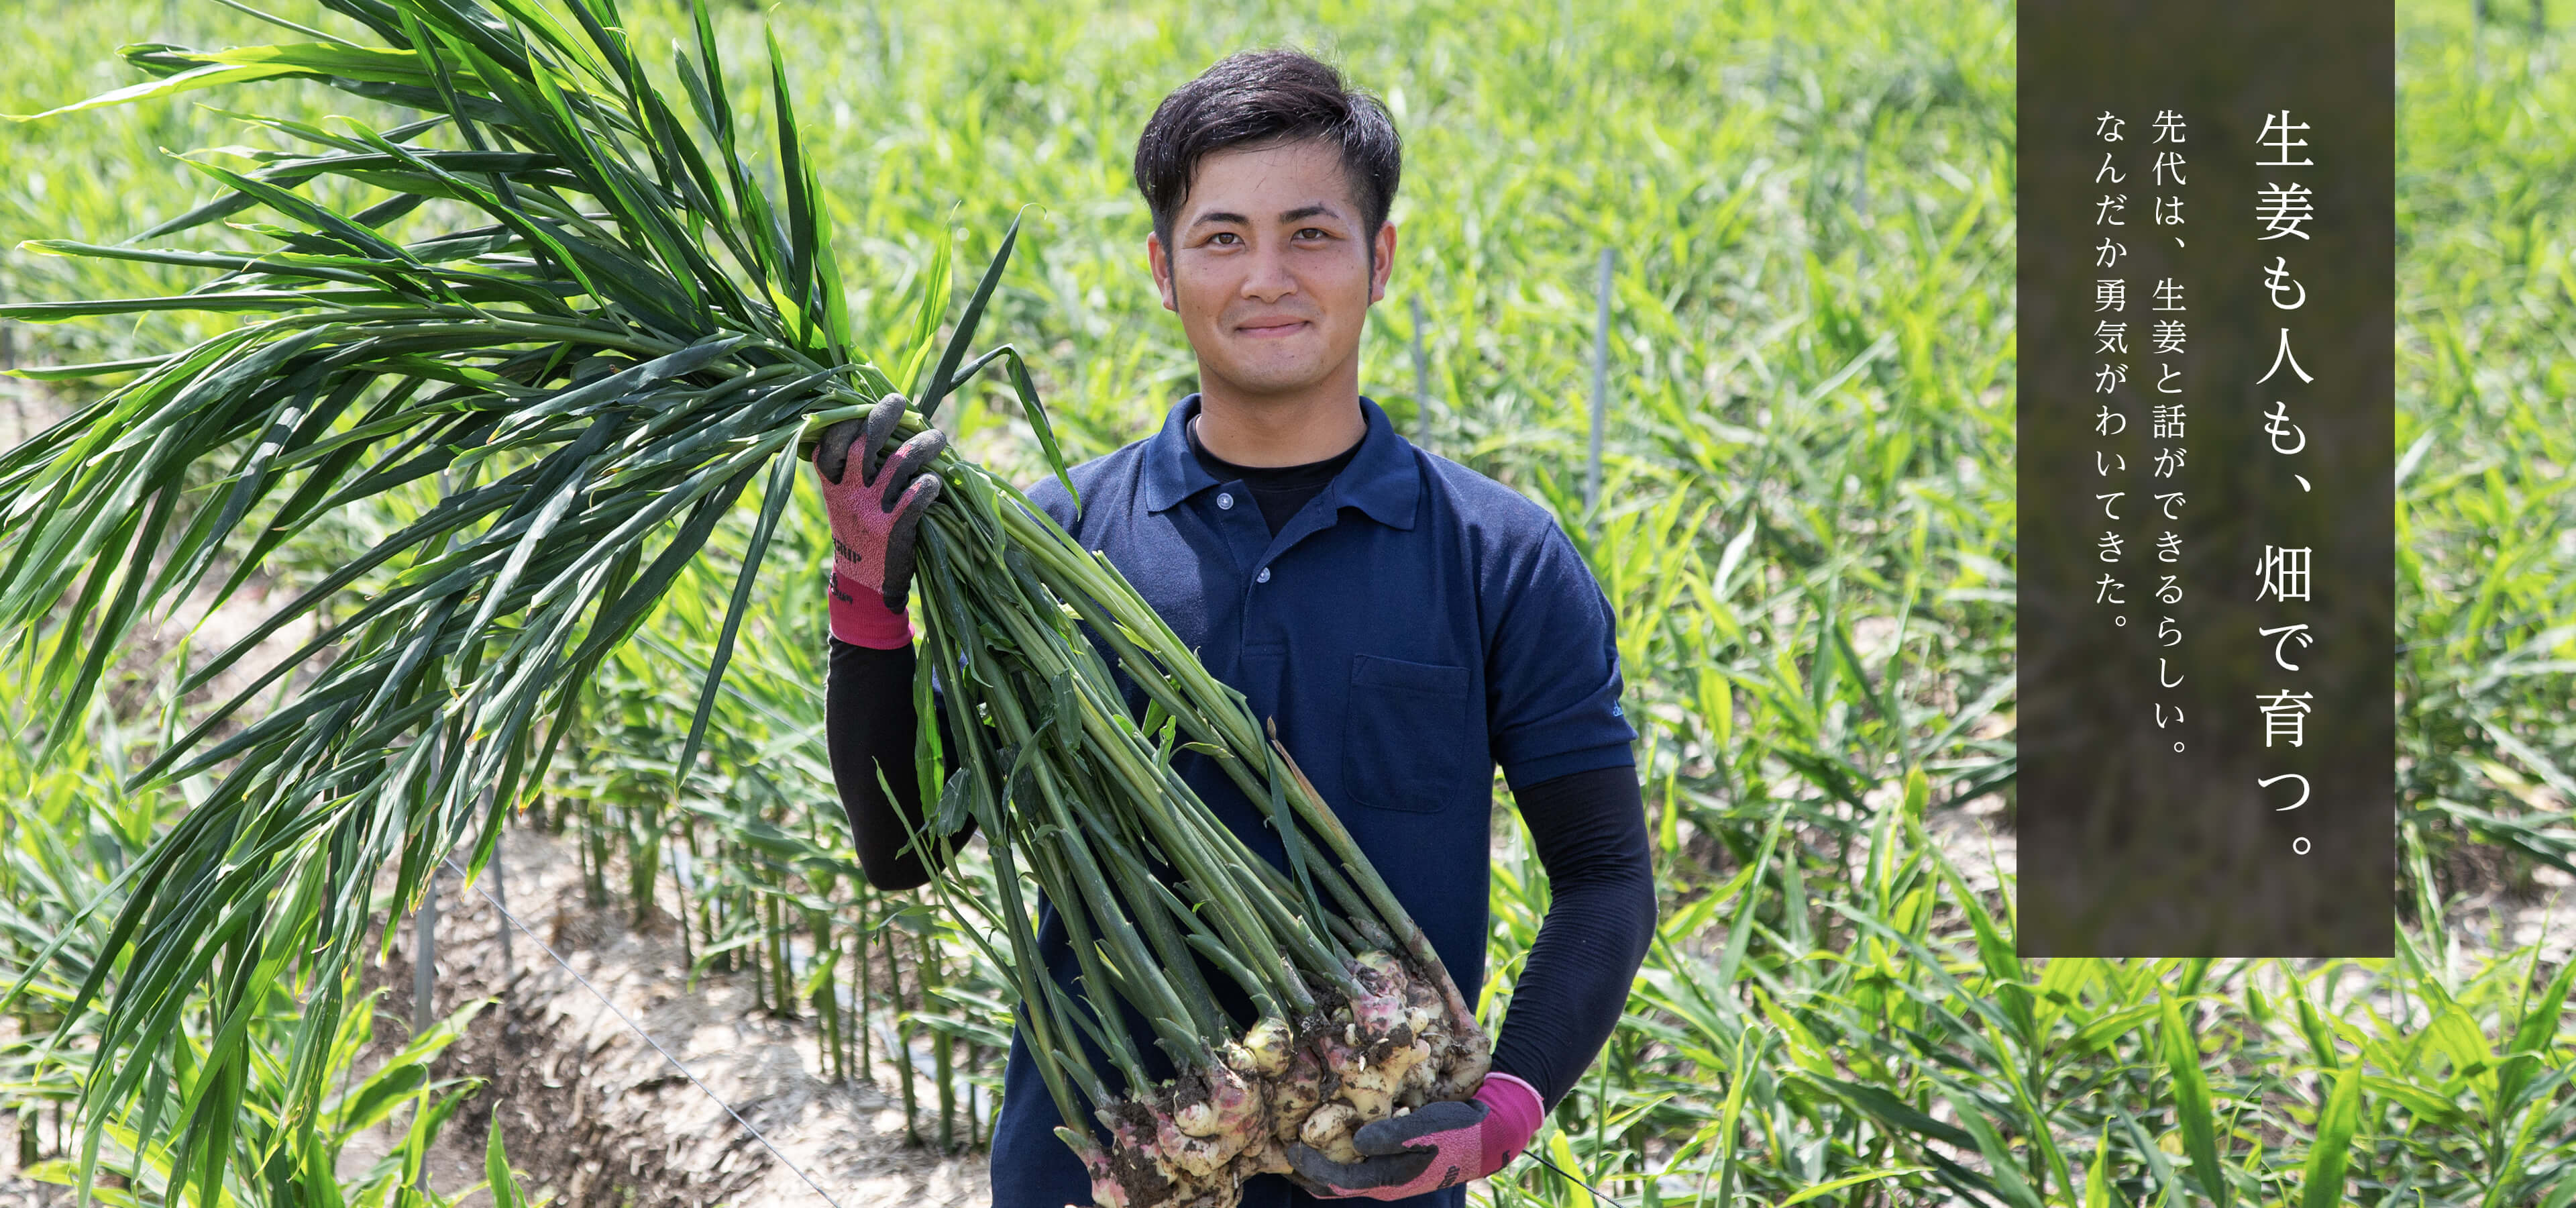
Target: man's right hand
876,507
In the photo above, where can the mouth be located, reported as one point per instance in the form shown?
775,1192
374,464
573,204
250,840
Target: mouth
1271,331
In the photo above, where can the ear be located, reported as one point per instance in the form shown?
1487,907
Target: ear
1384,245
1159,259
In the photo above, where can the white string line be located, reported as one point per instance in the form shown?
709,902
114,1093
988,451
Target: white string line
648,1038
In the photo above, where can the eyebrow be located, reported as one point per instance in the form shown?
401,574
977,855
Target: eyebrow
1285,216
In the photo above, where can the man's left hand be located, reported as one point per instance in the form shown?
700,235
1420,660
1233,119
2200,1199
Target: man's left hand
1438,1145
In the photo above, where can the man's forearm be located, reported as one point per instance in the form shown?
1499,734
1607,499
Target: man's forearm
1589,830
869,724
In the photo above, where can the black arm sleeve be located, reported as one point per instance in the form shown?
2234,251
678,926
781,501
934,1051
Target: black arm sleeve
1589,830
868,723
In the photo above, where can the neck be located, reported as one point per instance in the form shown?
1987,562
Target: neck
1280,431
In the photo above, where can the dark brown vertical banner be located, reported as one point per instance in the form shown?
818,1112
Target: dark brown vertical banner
2206,562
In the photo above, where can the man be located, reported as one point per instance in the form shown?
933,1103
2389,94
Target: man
1408,623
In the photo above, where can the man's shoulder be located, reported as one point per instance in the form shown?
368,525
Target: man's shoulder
1491,513
1100,474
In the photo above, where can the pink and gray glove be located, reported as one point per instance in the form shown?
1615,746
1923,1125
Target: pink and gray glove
875,513
1438,1145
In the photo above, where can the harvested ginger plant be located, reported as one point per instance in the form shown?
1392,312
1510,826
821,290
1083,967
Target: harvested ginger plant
1353,1016
557,322
1391,1049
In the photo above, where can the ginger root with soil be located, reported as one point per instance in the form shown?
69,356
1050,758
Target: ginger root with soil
1404,1041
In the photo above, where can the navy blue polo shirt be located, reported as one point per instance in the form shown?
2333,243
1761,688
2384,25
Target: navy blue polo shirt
1415,626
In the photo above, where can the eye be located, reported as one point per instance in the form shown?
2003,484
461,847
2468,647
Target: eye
1319,231
1222,236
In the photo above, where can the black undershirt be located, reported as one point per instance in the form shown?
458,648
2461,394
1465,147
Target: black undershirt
1588,830
1278,490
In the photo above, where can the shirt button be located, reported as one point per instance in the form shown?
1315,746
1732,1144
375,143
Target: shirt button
1263,577
1225,500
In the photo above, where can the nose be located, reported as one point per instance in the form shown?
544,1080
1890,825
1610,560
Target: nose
1269,279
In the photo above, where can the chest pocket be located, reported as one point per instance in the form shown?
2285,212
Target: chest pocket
1410,736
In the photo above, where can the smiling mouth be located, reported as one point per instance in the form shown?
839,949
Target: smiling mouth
1275,329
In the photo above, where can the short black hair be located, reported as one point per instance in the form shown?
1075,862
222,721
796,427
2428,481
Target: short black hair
1257,97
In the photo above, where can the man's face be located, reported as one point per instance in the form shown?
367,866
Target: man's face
1270,270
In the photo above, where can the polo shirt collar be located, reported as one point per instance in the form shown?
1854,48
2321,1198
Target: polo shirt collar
1381,479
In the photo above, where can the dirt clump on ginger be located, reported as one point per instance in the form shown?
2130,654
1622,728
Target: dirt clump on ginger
1398,1044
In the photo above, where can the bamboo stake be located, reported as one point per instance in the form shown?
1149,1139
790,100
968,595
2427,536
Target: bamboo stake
681,869
941,1042
782,967
859,958
902,1055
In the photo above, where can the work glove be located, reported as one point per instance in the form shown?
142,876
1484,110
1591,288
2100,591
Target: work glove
876,508
1438,1145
